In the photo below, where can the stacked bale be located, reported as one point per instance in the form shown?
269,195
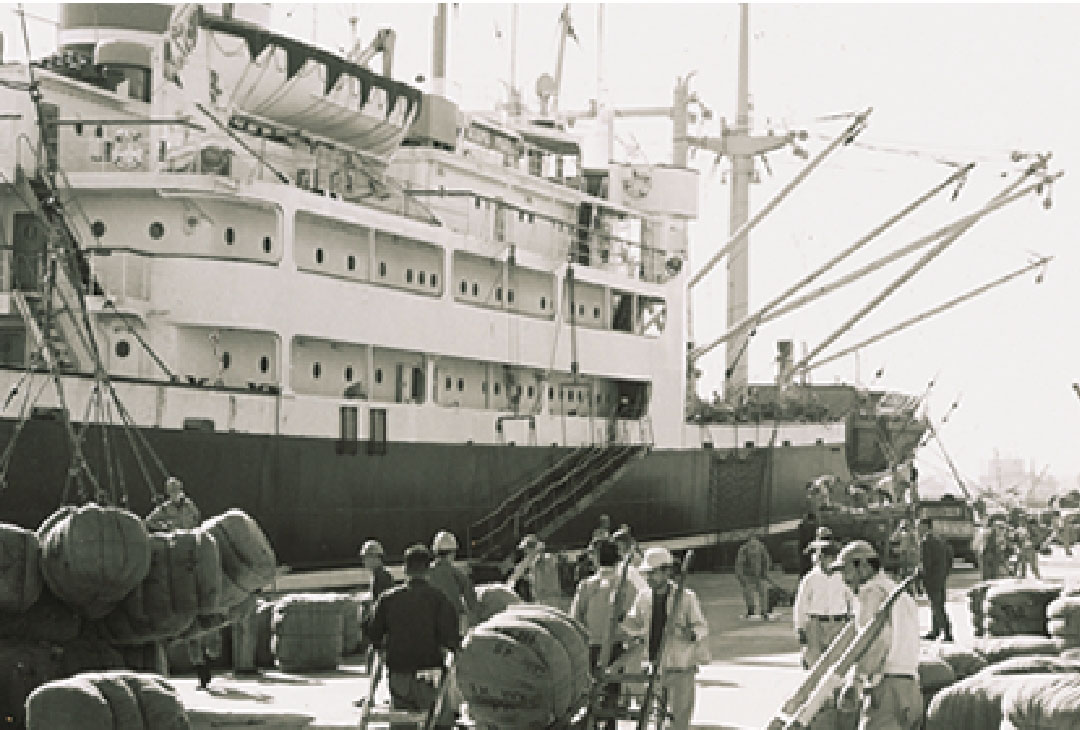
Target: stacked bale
264,616
963,662
1033,665
1044,702
106,701
977,602
248,562
1063,621
1018,607
999,648
20,572
49,619
935,674
493,598
523,668
351,613
975,702
92,556
308,632
24,665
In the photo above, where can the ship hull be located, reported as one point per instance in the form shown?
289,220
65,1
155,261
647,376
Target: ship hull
317,502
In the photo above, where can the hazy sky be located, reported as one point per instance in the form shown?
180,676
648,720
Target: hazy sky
954,82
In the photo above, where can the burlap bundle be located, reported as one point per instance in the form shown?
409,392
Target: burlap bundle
308,633
1043,702
550,651
20,571
120,700
493,598
1000,648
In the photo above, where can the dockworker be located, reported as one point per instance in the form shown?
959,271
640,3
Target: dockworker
593,602
373,554
523,575
415,624
1028,541
992,557
178,512
823,602
884,684
936,563
1067,534
906,544
682,631
451,580
602,531
752,564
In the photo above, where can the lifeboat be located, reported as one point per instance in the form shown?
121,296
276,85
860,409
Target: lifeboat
292,83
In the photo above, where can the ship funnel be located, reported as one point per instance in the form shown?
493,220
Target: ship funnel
784,359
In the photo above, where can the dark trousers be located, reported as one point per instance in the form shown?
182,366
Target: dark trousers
610,692
408,692
939,619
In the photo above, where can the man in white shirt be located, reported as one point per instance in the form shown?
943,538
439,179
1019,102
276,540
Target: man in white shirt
823,602
887,675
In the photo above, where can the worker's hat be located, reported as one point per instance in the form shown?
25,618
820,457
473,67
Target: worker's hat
853,551
656,557
823,539
530,542
622,534
443,542
372,547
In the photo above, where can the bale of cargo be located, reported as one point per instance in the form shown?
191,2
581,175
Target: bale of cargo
1000,648
1033,665
247,559
351,609
547,587
119,700
49,619
493,598
1018,607
550,651
308,633
571,634
963,662
20,568
974,702
977,602
163,604
87,654
93,556
218,718
1044,702
264,615
504,682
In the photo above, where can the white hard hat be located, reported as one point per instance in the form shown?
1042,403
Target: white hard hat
372,547
656,557
854,550
444,541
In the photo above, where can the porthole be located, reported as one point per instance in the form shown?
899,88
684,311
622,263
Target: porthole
123,348
97,229
318,255
348,373
378,375
464,287
316,370
350,263
408,276
382,268
422,278
230,236
226,360
264,364
267,244
157,230
449,383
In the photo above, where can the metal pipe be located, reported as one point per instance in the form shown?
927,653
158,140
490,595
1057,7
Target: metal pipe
853,129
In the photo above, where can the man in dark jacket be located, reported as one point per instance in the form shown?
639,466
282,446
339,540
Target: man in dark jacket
807,534
935,559
415,624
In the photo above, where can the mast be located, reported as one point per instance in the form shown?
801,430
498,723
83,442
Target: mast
742,169
438,51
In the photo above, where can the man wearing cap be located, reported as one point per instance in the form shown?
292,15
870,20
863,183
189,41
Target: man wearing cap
808,528
752,564
176,512
451,580
906,544
595,599
372,554
684,635
627,546
415,624
823,602
523,576
887,674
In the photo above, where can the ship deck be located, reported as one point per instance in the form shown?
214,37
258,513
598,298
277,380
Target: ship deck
755,666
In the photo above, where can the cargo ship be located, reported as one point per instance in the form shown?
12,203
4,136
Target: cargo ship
344,305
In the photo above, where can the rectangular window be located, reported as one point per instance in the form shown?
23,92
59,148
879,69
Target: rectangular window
377,437
347,432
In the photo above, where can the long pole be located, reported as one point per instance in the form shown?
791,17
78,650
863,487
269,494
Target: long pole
944,306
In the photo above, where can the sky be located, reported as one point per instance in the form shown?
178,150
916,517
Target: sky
947,83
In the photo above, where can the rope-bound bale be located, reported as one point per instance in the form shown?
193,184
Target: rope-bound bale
1063,621
503,680
1033,665
24,666
1018,607
550,651
20,571
351,609
934,673
93,556
106,701
975,702
247,559
1043,702
50,619
264,614
570,633
493,598
963,662
1000,648
308,632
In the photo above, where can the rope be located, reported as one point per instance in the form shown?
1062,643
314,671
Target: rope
9,450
